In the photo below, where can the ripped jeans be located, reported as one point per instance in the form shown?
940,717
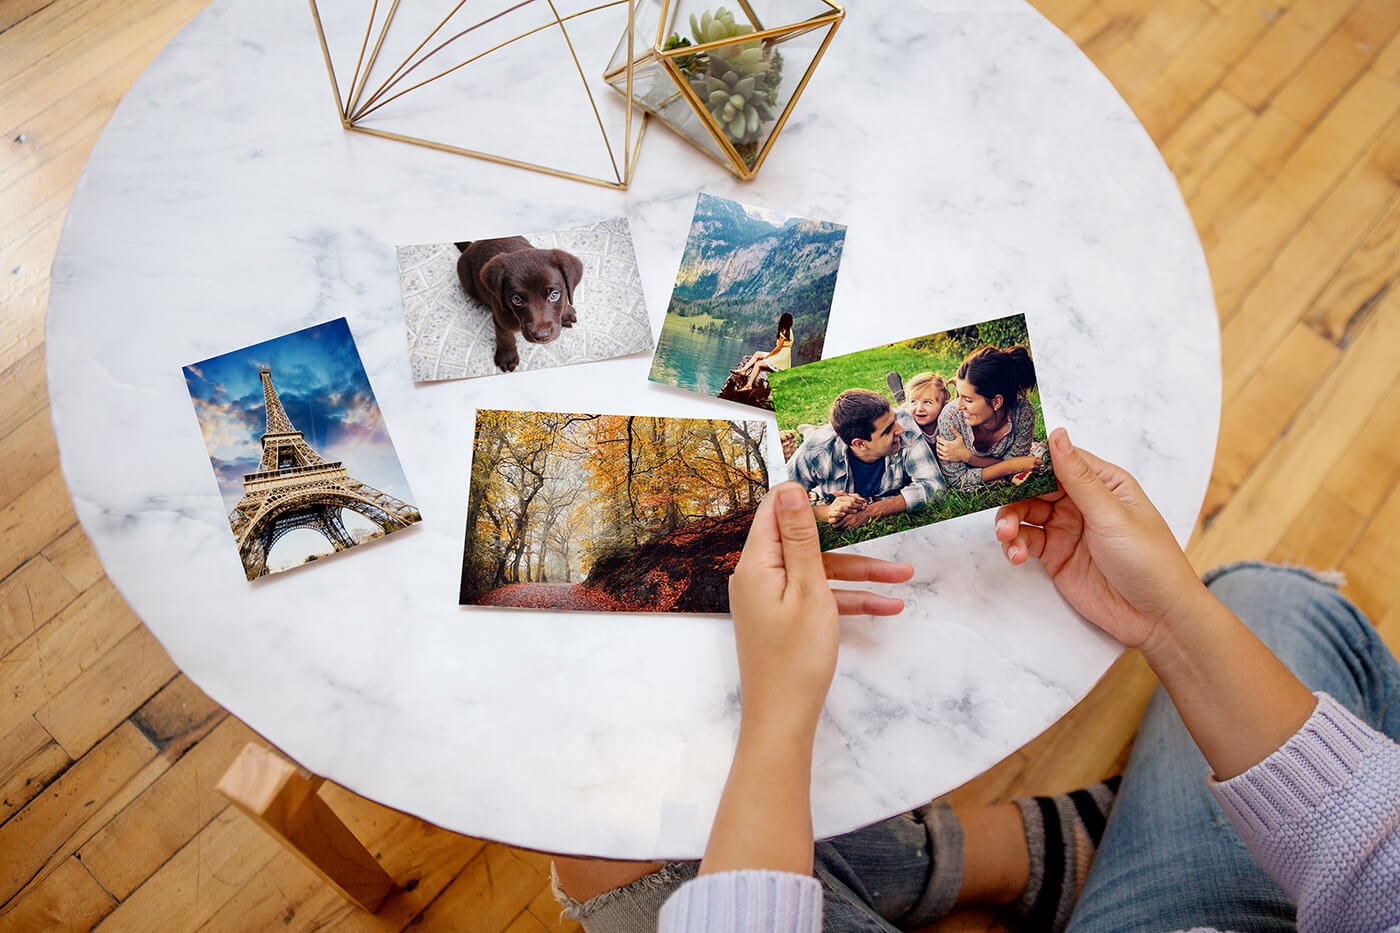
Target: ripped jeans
1170,859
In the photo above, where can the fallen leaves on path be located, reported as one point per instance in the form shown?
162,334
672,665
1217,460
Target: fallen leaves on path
552,596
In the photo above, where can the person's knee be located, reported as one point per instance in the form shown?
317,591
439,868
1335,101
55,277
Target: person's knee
1284,604
613,896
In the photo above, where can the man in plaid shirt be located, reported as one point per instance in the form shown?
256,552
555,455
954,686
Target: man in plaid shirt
859,466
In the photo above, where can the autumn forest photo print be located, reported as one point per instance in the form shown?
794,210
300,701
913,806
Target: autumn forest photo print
619,513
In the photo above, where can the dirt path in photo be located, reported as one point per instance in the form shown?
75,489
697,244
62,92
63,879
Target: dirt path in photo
552,596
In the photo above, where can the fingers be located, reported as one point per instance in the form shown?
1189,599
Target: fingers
1118,480
1029,542
862,603
1080,477
1030,511
854,567
797,529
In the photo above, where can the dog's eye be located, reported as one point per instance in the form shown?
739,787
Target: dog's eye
554,294
516,300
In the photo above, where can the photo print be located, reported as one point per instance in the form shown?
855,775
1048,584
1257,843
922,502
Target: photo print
752,297
915,432
609,513
299,448
502,304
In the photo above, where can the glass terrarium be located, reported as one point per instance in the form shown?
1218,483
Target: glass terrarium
725,78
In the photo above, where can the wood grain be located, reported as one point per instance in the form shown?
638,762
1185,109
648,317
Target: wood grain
1279,119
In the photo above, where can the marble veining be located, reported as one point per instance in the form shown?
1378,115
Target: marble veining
982,166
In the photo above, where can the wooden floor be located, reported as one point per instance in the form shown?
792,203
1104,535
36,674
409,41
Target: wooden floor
1278,118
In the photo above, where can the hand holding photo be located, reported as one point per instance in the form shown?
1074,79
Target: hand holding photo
609,513
959,431
518,303
752,297
304,464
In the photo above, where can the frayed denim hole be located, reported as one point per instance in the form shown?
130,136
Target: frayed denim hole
667,878
1332,579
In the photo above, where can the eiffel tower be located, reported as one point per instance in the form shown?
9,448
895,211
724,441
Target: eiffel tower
295,488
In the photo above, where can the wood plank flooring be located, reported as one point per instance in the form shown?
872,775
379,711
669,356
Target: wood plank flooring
1279,120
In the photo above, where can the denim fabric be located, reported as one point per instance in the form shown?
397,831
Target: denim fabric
1170,858
879,879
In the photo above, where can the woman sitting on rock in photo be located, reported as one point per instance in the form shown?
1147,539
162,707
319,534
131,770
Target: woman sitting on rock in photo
987,432
780,357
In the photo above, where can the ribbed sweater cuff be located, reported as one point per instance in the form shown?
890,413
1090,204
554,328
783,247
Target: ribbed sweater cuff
1319,759
745,900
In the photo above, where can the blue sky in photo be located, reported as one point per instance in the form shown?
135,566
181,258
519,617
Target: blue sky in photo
325,392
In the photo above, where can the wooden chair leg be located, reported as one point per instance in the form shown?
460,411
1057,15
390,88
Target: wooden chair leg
282,798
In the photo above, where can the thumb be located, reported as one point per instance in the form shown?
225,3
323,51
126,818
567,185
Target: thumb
797,527
764,545
1077,477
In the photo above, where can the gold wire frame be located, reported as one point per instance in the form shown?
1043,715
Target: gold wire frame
355,106
667,59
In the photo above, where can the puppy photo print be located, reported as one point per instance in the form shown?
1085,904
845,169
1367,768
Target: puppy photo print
501,304
910,433
752,297
299,448
609,513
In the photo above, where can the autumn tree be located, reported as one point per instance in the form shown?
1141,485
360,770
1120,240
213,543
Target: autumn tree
552,492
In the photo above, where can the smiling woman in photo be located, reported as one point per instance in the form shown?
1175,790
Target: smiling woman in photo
987,432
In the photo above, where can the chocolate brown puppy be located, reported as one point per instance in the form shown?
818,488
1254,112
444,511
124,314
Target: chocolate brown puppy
529,291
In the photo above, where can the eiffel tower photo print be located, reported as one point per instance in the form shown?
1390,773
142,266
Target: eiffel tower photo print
299,448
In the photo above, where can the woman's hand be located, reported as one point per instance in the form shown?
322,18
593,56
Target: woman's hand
954,450
1114,558
1107,548
844,509
785,630
785,612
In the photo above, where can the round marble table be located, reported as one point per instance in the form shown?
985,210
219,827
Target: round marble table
983,166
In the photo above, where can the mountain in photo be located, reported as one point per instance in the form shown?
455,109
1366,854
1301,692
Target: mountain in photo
743,268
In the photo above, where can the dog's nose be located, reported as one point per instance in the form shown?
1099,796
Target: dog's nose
544,332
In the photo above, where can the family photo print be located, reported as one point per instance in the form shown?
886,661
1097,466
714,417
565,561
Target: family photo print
915,432
609,513
502,304
299,448
752,297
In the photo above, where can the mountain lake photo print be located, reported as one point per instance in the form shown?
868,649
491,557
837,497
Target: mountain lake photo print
752,297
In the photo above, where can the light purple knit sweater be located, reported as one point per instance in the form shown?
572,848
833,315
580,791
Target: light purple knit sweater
1321,815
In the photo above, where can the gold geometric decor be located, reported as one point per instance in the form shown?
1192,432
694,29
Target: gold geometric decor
508,81
726,80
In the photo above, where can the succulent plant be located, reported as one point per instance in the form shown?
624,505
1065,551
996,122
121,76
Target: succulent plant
737,81
739,105
717,26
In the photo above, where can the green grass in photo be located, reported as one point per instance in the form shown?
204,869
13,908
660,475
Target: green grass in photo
803,395
954,503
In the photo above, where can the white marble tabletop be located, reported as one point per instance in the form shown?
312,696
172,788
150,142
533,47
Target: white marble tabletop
984,167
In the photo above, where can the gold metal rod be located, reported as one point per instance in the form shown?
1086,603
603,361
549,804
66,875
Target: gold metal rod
753,17
670,9
426,39
774,33
364,46
368,109
488,157
602,130
792,102
354,104
637,148
627,153
330,70
702,112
